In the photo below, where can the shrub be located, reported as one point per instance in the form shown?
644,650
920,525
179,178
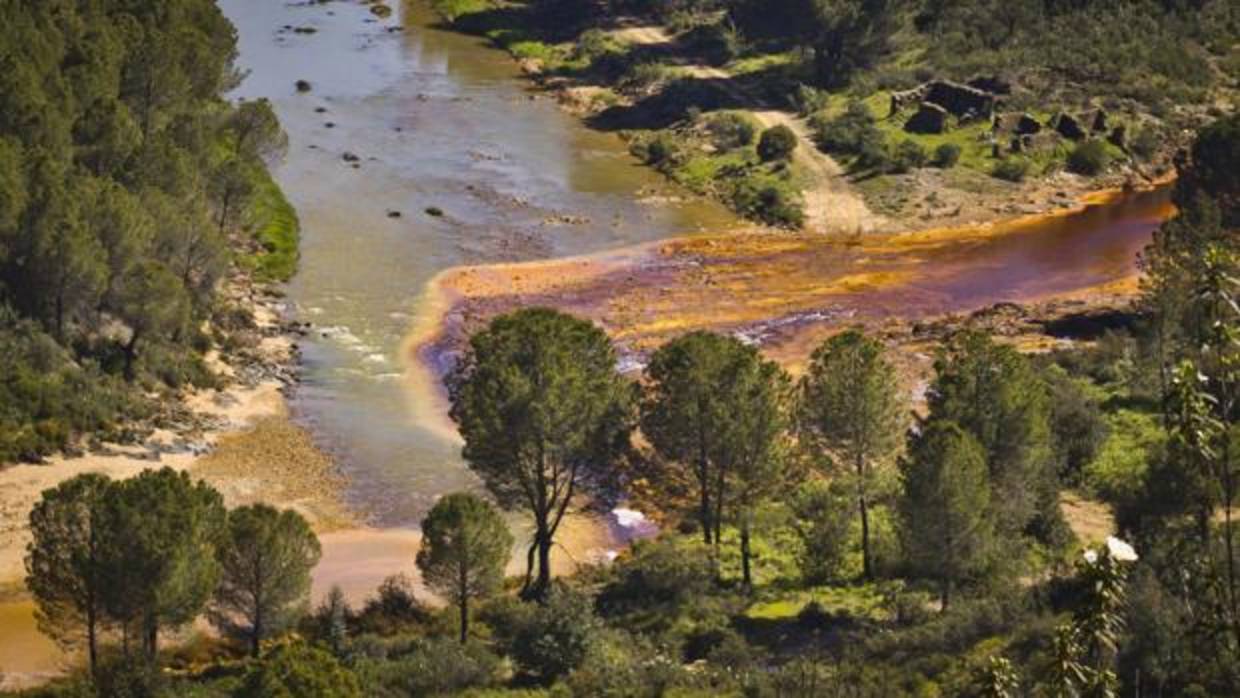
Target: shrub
663,151
908,155
1011,169
645,75
656,580
810,100
298,669
874,154
730,130
850,133
1089,158
546,641
770,201
1145,143
439,666
947,155
393,609
777,143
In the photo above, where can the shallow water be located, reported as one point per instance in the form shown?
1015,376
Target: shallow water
436,120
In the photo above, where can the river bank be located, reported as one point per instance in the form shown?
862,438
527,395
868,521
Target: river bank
676,91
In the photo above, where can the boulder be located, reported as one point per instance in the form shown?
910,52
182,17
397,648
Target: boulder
930,118
992,84
962,101
959,100
1069,127
905,98
1027,125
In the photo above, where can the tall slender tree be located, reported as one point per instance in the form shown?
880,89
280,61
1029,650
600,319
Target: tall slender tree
753,446
465,546
850,409
688,401
945,508
994,393
539,403
265,562
64,562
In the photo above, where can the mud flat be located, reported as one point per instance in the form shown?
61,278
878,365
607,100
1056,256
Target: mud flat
786,291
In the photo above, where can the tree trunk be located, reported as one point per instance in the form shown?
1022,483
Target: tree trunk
464,604
746,573
867,570
529,569
92,640
945,594
542,546
151,640
256,637
704,509
544,566
131,354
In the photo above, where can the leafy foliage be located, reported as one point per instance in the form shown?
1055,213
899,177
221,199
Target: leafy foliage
465,546
538,402
266,560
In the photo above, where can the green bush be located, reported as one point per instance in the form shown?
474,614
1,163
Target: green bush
652,584
1089,158
298,670
663,151
851,133
546,641
946,155
47,399
769,200
730,130
909,155
432,667
824,519
393,609
1011,169
645,75
777,143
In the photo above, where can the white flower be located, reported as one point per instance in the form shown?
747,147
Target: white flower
1091,556
1120,550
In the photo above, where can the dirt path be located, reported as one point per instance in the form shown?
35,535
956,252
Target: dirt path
831,203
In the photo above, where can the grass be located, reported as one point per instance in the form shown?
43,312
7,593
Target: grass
861,601
275,226
765,61
451,10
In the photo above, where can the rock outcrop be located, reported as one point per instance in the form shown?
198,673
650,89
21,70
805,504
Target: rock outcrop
930,118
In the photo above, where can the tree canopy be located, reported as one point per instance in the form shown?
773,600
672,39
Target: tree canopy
465,548
543,411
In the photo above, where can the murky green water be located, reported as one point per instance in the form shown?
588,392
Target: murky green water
436,120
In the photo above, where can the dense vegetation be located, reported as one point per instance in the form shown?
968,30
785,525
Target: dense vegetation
816,542
129,189
1152,68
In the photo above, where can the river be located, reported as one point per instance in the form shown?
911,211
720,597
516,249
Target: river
436,121
430,118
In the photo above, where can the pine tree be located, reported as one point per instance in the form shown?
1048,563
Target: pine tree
265,560
850,409
539,402
945,508
465,546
